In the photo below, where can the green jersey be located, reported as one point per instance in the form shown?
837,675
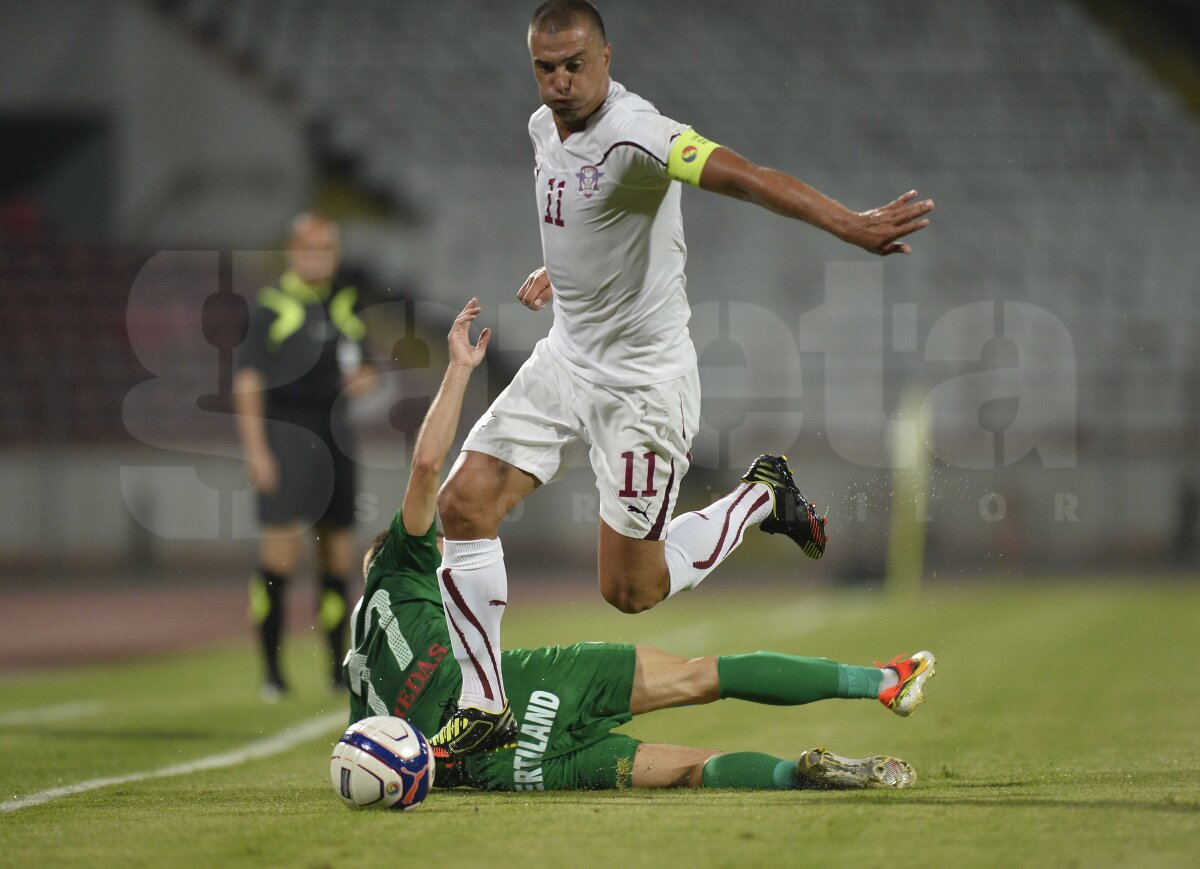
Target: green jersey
566,700
400,661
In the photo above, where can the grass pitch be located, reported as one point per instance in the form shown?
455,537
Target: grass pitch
1060,730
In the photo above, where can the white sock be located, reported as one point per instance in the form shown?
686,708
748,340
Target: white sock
474,594
890,679
697,542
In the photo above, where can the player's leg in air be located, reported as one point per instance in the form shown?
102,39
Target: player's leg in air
662,681
636,572
640,441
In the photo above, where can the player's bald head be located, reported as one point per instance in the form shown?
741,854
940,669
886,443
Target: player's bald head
570,58
555,16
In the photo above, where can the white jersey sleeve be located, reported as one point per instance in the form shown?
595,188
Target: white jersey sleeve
612,239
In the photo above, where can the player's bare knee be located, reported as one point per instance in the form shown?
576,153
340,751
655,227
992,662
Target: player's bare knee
630,598
450,506
460,513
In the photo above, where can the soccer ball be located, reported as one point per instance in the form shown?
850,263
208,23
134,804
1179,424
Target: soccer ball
382,763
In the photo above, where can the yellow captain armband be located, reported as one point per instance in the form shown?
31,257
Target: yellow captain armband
689,153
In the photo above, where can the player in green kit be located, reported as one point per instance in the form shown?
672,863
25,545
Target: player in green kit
568,700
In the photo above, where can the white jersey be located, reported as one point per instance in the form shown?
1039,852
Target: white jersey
612,239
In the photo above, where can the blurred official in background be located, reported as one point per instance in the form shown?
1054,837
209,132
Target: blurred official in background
304,347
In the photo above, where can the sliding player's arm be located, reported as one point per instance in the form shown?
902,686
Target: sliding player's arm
441,422
710,166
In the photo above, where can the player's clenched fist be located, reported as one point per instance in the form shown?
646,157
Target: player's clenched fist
536,291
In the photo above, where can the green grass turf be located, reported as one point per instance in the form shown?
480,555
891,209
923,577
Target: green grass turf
1060,730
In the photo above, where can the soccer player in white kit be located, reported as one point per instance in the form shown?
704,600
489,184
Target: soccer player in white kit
616,378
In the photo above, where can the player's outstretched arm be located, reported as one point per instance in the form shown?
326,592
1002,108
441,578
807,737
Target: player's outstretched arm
441,422
878,230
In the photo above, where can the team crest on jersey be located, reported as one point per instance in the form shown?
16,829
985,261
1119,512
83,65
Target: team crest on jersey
589,180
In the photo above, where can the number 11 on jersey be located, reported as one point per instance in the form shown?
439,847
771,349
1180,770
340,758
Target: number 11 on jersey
551,200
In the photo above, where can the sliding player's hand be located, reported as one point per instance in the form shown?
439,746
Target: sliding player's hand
536,292
877,230
461,350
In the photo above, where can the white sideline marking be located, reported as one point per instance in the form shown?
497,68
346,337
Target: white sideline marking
276,744
61,712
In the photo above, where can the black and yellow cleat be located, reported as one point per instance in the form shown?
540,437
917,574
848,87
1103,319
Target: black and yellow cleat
473,731
791,513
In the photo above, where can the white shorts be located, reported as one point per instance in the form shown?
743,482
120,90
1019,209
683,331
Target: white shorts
637,438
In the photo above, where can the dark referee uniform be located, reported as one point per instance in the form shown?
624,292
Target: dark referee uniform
299,335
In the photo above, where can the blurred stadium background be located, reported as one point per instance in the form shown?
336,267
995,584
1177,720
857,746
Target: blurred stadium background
155,153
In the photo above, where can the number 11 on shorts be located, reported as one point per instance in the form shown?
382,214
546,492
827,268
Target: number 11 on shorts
629,491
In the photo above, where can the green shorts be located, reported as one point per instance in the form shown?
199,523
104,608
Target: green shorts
567,700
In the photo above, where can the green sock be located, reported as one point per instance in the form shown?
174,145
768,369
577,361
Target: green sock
749,769
790,680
